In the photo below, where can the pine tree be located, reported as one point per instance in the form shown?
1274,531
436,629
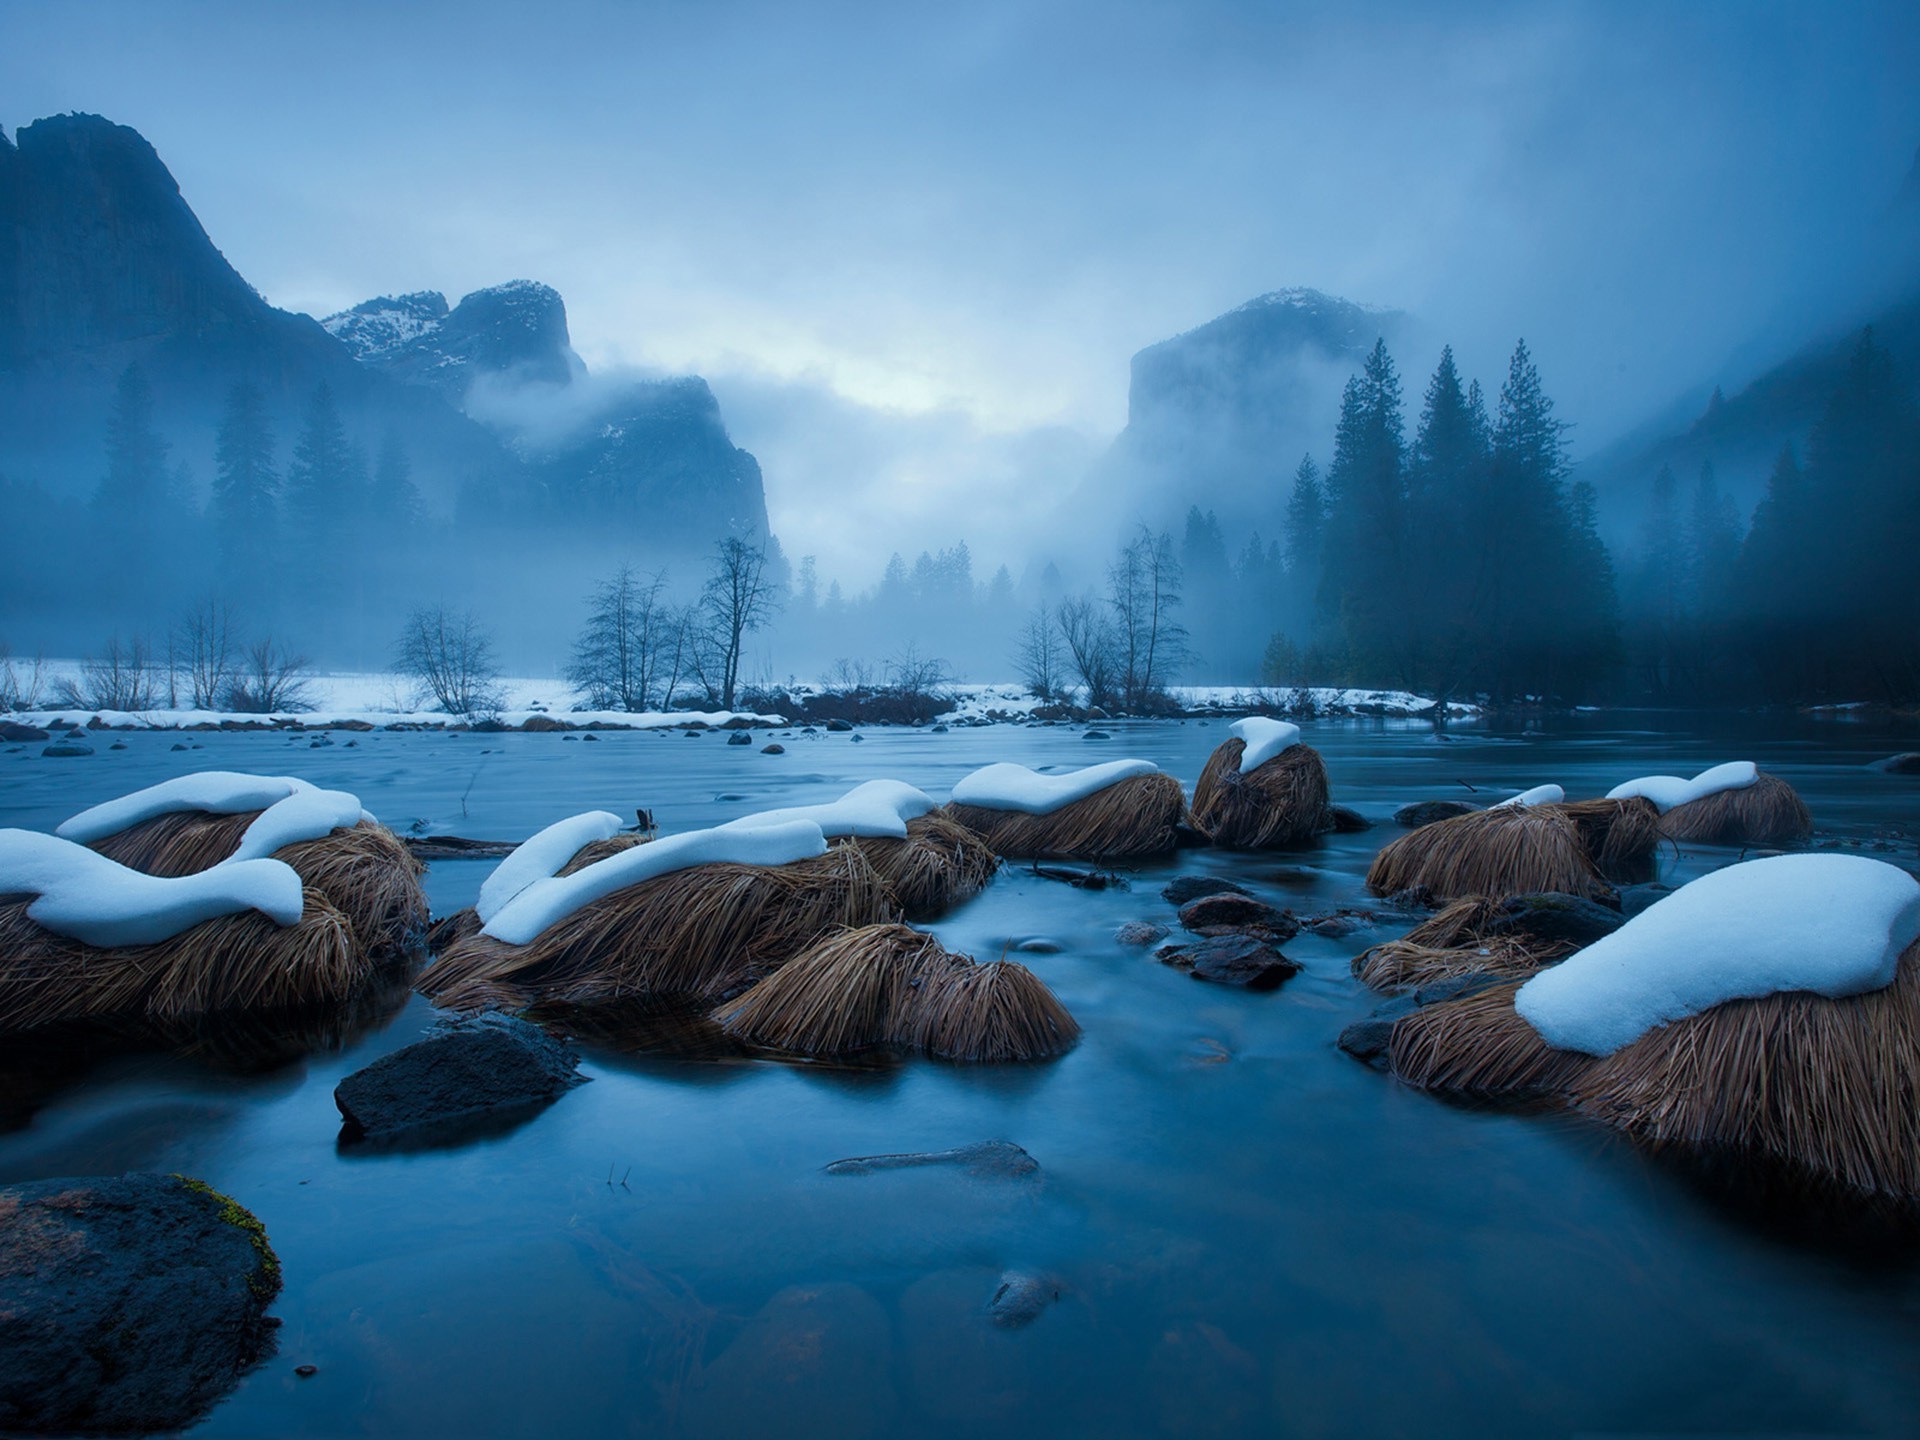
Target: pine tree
1447,475
321,498
245,486
1363,586
394,504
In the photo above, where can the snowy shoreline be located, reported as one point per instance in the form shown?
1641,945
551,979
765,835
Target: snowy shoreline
374,701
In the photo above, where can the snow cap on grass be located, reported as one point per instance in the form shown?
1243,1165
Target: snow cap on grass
306,814
877,808
1538,795
1264,739
1668,791
216,792
1007,786
548,901
541,857
100,902
1832,924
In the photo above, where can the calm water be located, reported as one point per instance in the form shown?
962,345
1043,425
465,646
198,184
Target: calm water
1255,1235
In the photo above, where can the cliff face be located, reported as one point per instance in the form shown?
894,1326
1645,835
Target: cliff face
516,331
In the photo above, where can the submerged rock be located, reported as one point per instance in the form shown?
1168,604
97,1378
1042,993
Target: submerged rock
739,737
1183,888
13,731
776,748
128,1303
1426,812
461,1069
1347,821
816,1360
1555,918
67,750
1245,961
987,1159
1228,914
1020,1298
1906,763
1141,932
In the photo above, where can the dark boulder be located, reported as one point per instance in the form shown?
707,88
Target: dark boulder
1183,888
839,726
776,748
67,750
986,1159
1229,914
1346,821
1426,812
128,1304
739,737
461,1070
1635,898
15,733
1906,763
1244,961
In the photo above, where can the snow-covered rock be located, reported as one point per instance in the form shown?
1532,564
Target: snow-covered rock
1831,924
1007,786
1264,738
546,902
1668,791
100,902
1538,795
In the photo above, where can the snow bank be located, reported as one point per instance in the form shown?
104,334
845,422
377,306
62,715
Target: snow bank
541,857
97,901
1264,739
1832,924
548,901
1538,795
877,808
1667,791
213,792
1007,786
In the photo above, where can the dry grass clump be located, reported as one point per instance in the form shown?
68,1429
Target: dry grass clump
1282,802
241,962
699,935
1511,850
1621,837
1768,812
939,864
1137,816
1827,1087
364,870
595,851
888,985
1479,1047
1457,941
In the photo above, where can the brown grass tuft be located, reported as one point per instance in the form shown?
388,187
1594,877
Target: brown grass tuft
595,851
1283,802
1768,813
1513,850
1621,837
888,985
1139,816
699,934
1479,1047
241,962
939,864
365,870
1453,943
1827,1087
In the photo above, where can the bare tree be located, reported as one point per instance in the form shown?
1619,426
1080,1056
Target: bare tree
120,677
850,675
1143,591
268,679
1088,633
451,654
20,688
738,599
204,646
1040,655
620,651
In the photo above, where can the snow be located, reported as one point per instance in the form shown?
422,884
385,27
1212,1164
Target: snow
1007,786
877,808
1538,795
541,857
546,902
1264,739
1832,924
1668,791
213,792
306,814
97,901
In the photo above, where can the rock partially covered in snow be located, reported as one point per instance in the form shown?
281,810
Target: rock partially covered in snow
879,808
1007,786
1669,791
87,897
1264,739
1538,795
546,902
1831,924
541,857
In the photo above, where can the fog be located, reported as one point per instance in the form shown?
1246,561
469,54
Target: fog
913,251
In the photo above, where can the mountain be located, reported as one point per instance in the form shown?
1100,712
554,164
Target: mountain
1219,416
104,264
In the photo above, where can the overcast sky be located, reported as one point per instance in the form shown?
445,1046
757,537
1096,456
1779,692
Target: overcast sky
914,246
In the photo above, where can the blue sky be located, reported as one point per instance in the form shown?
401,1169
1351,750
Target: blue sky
913,246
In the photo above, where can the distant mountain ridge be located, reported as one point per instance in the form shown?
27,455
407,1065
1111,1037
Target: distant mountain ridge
104,264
